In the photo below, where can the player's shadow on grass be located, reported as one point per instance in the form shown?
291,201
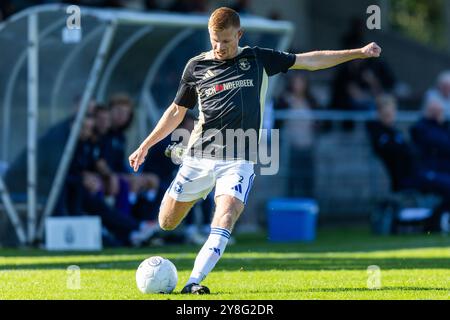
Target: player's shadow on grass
253,264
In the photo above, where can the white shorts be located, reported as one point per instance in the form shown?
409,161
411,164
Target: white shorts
197,177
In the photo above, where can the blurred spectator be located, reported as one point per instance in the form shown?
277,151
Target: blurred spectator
390,145
83,193
114,144
357,83
123,187
81,173
62,129
298,93
300,132
441,92
426,169
103,121
116,189
402,161
432,137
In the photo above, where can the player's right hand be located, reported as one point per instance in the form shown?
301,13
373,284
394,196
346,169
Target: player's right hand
137,158
372,50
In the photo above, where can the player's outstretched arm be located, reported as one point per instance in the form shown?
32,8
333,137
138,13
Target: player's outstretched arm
170,120
318,60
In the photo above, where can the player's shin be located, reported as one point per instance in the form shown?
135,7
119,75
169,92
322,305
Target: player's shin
210,254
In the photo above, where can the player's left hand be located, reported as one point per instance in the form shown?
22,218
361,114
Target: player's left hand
371,50
137,158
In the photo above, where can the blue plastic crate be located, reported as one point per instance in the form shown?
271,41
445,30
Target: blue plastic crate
292,219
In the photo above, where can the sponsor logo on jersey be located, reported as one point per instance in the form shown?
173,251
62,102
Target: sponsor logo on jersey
228,86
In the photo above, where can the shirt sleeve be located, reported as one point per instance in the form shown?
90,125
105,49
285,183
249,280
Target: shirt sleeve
187,95
275,61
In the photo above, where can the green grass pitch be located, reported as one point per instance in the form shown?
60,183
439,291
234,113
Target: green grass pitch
332,267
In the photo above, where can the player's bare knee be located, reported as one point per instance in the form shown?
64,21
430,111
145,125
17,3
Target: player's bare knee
164,219
166,226
165,223
172,213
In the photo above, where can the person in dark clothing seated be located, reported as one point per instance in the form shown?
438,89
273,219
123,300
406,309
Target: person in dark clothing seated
432,137
357,83
114,140
84,193
128,190
116,189
411,178
390,145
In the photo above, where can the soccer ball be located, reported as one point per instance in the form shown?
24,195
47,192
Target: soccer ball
156,275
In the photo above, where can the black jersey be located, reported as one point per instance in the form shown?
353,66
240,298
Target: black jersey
231,97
